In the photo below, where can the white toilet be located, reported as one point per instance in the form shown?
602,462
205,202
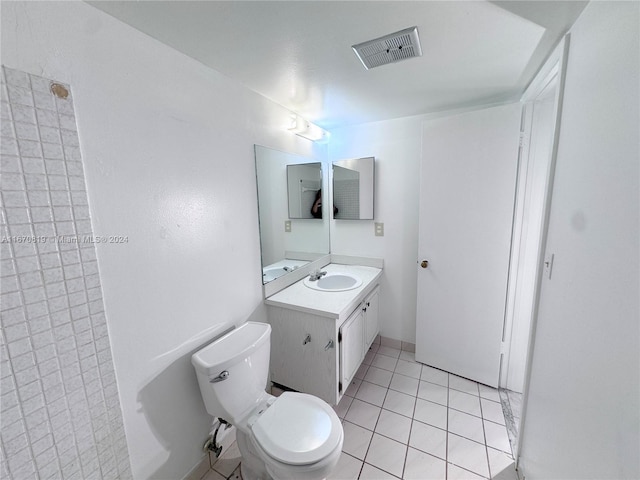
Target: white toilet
294,436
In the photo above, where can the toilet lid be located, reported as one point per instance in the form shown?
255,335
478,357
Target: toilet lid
298,429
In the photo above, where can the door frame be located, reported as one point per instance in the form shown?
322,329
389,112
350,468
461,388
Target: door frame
554,69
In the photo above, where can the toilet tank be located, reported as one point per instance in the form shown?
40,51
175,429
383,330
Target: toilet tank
243,354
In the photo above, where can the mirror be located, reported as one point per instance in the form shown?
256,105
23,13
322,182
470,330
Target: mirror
304,181
353,182
288,242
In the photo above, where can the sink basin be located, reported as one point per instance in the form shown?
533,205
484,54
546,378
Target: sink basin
334,282
269,274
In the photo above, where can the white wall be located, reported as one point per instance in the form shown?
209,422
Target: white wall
583,407
396,146
168,150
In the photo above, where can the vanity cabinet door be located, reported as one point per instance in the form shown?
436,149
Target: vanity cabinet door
351,346
370,308
303,353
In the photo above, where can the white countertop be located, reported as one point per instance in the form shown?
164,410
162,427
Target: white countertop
327,304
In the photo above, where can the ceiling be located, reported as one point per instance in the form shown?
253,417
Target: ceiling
298,53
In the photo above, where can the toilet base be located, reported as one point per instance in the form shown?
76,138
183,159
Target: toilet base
251,466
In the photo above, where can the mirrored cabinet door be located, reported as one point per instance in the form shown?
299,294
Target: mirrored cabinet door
353,189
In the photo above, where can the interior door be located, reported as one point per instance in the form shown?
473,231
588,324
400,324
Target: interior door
467,187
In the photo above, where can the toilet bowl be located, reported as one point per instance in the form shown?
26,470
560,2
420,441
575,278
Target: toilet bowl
293,436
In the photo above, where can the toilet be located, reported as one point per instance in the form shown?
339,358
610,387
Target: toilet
295,436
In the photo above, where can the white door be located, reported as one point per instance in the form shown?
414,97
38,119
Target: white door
467,187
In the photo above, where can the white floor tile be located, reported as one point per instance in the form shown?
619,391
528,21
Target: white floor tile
405,420
362,371
387,455
489,393
429,439
463,385
356,440
465,402
343,406
467,454
497,436
433,392
213,475
431,413
410,369
456,473
404,384
492,411
368,358
408,356
466,426
400,403
388,351
363,414
379,376
385,362
422,466
348,468
433,375
369,472
371,393
501,465
353,387
394,426
229,461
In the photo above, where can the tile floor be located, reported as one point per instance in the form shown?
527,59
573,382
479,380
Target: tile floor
405,420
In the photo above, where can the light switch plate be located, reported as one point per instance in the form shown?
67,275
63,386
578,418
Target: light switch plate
379,229
548,265
287,225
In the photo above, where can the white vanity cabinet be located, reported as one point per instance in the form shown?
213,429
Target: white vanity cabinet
351,345
316,350
370,311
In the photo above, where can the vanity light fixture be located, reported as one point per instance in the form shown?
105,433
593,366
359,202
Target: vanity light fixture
308,130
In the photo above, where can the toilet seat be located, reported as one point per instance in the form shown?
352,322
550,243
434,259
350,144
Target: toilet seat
297,429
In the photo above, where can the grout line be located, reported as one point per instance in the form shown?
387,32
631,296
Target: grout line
484,433
446,442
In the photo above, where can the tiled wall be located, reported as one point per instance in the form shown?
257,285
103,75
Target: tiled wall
346,196
61,415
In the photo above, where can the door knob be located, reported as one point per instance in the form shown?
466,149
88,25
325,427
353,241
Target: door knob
424,264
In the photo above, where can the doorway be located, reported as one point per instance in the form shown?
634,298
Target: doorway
538,145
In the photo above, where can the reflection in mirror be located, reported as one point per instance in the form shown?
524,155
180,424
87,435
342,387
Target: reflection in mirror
353,182
304,182
286,242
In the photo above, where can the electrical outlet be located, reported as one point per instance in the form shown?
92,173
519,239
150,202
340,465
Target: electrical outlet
379,229
287,225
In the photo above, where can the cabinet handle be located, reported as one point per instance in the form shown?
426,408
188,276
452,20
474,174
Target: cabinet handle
364,309
368,304
307,339
328,345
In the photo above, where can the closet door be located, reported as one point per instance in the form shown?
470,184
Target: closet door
467,189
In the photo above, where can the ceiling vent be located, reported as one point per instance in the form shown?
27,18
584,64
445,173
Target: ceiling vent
390,48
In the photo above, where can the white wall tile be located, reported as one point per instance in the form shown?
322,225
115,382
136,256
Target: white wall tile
53,403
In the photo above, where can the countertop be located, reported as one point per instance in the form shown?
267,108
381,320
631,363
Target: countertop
327,304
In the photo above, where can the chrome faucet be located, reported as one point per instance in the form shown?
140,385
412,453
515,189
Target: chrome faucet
316,275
